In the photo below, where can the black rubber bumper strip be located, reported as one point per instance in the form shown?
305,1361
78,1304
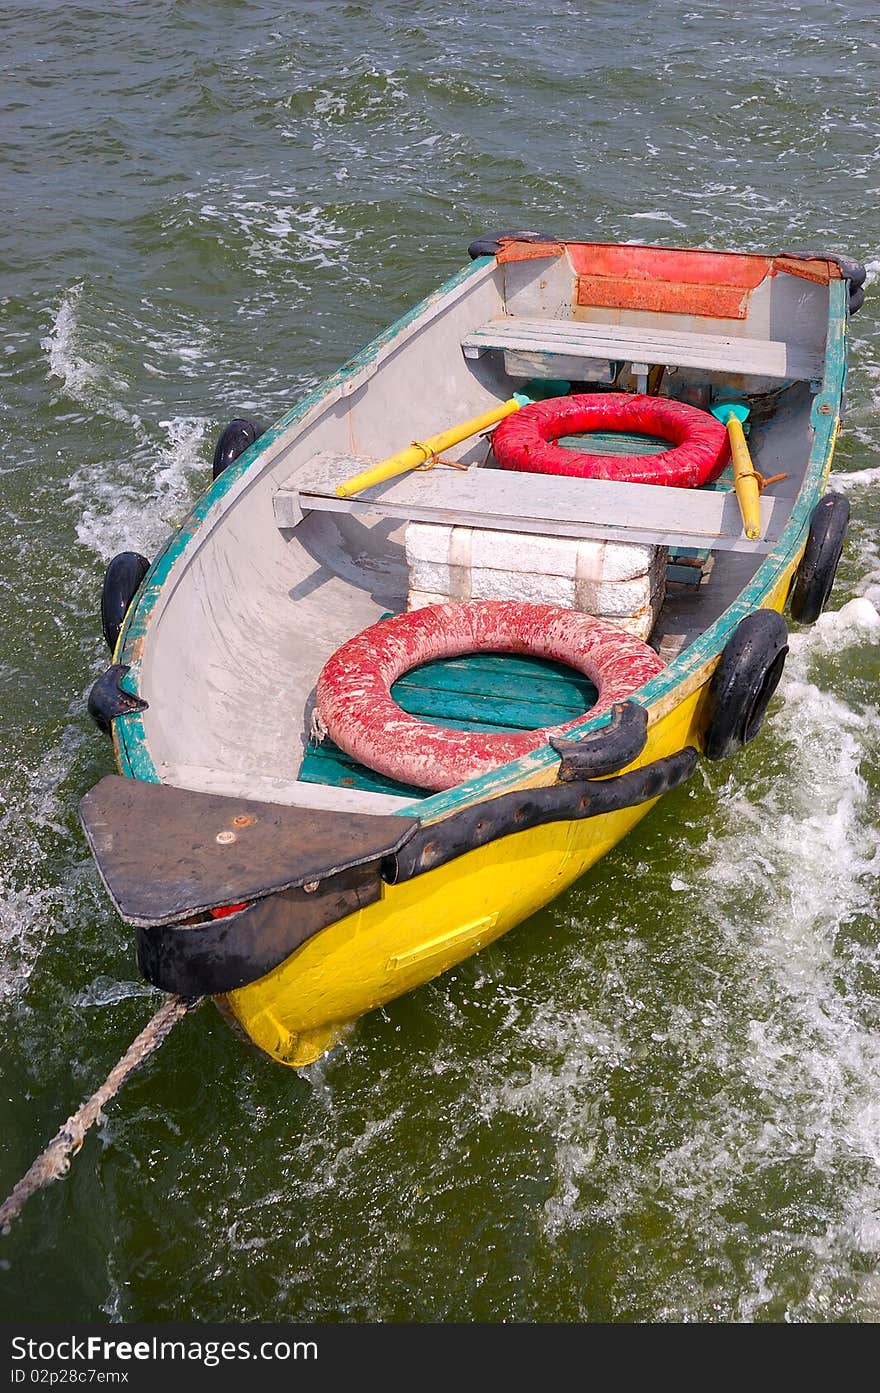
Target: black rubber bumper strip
441,842
213,956
606,750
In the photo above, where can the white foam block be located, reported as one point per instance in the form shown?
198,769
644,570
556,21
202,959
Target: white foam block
457,584
617,598
619,581
603,597
418,599
491,549
592,594
639,624
516,585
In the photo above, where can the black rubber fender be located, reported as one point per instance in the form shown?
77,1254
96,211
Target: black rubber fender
605,751
107,699
233,441
852,270
489,243
856,299
745,679
818,565
122,580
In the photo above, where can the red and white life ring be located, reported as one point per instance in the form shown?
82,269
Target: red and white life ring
527,439
356,708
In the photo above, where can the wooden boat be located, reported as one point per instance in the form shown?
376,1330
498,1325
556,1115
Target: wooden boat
290,882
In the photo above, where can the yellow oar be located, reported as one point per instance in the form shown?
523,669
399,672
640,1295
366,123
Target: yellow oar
420,451
745,480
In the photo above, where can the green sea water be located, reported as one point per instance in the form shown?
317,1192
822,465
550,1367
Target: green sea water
657,1100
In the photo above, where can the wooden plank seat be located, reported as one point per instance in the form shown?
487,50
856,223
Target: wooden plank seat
540,503
624,343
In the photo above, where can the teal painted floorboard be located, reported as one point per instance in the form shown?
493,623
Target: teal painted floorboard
486,692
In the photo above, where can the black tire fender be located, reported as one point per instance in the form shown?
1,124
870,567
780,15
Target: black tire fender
489,243
745,679
122,580
233,441
853,271
818,565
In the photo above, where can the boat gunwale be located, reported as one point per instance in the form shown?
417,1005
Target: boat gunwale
685,673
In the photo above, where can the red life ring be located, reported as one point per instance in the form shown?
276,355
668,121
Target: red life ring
527,439
355,706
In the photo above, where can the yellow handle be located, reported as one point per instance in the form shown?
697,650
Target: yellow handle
420,451
745,480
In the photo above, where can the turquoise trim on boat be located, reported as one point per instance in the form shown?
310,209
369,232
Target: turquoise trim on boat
683,575
548,692
134,758
699,554
328,765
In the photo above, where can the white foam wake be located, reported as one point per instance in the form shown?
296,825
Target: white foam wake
32,820
767,1078
136,506
134,500
91,383
855,478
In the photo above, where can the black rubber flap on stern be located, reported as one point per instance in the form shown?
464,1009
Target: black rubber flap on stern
167,853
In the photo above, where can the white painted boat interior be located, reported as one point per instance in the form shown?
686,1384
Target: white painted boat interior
293,793
274,580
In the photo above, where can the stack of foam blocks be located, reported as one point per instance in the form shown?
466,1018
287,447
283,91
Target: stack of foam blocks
623,582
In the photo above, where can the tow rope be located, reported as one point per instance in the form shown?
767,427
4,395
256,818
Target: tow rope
54,1161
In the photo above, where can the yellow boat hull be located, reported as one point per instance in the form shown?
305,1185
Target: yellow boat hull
426,925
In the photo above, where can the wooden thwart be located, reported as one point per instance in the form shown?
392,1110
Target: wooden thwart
540,503
625,343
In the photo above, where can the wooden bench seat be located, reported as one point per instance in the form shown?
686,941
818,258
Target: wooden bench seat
612,343
541,503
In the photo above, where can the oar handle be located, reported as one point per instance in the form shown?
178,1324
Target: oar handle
745,480
420,451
